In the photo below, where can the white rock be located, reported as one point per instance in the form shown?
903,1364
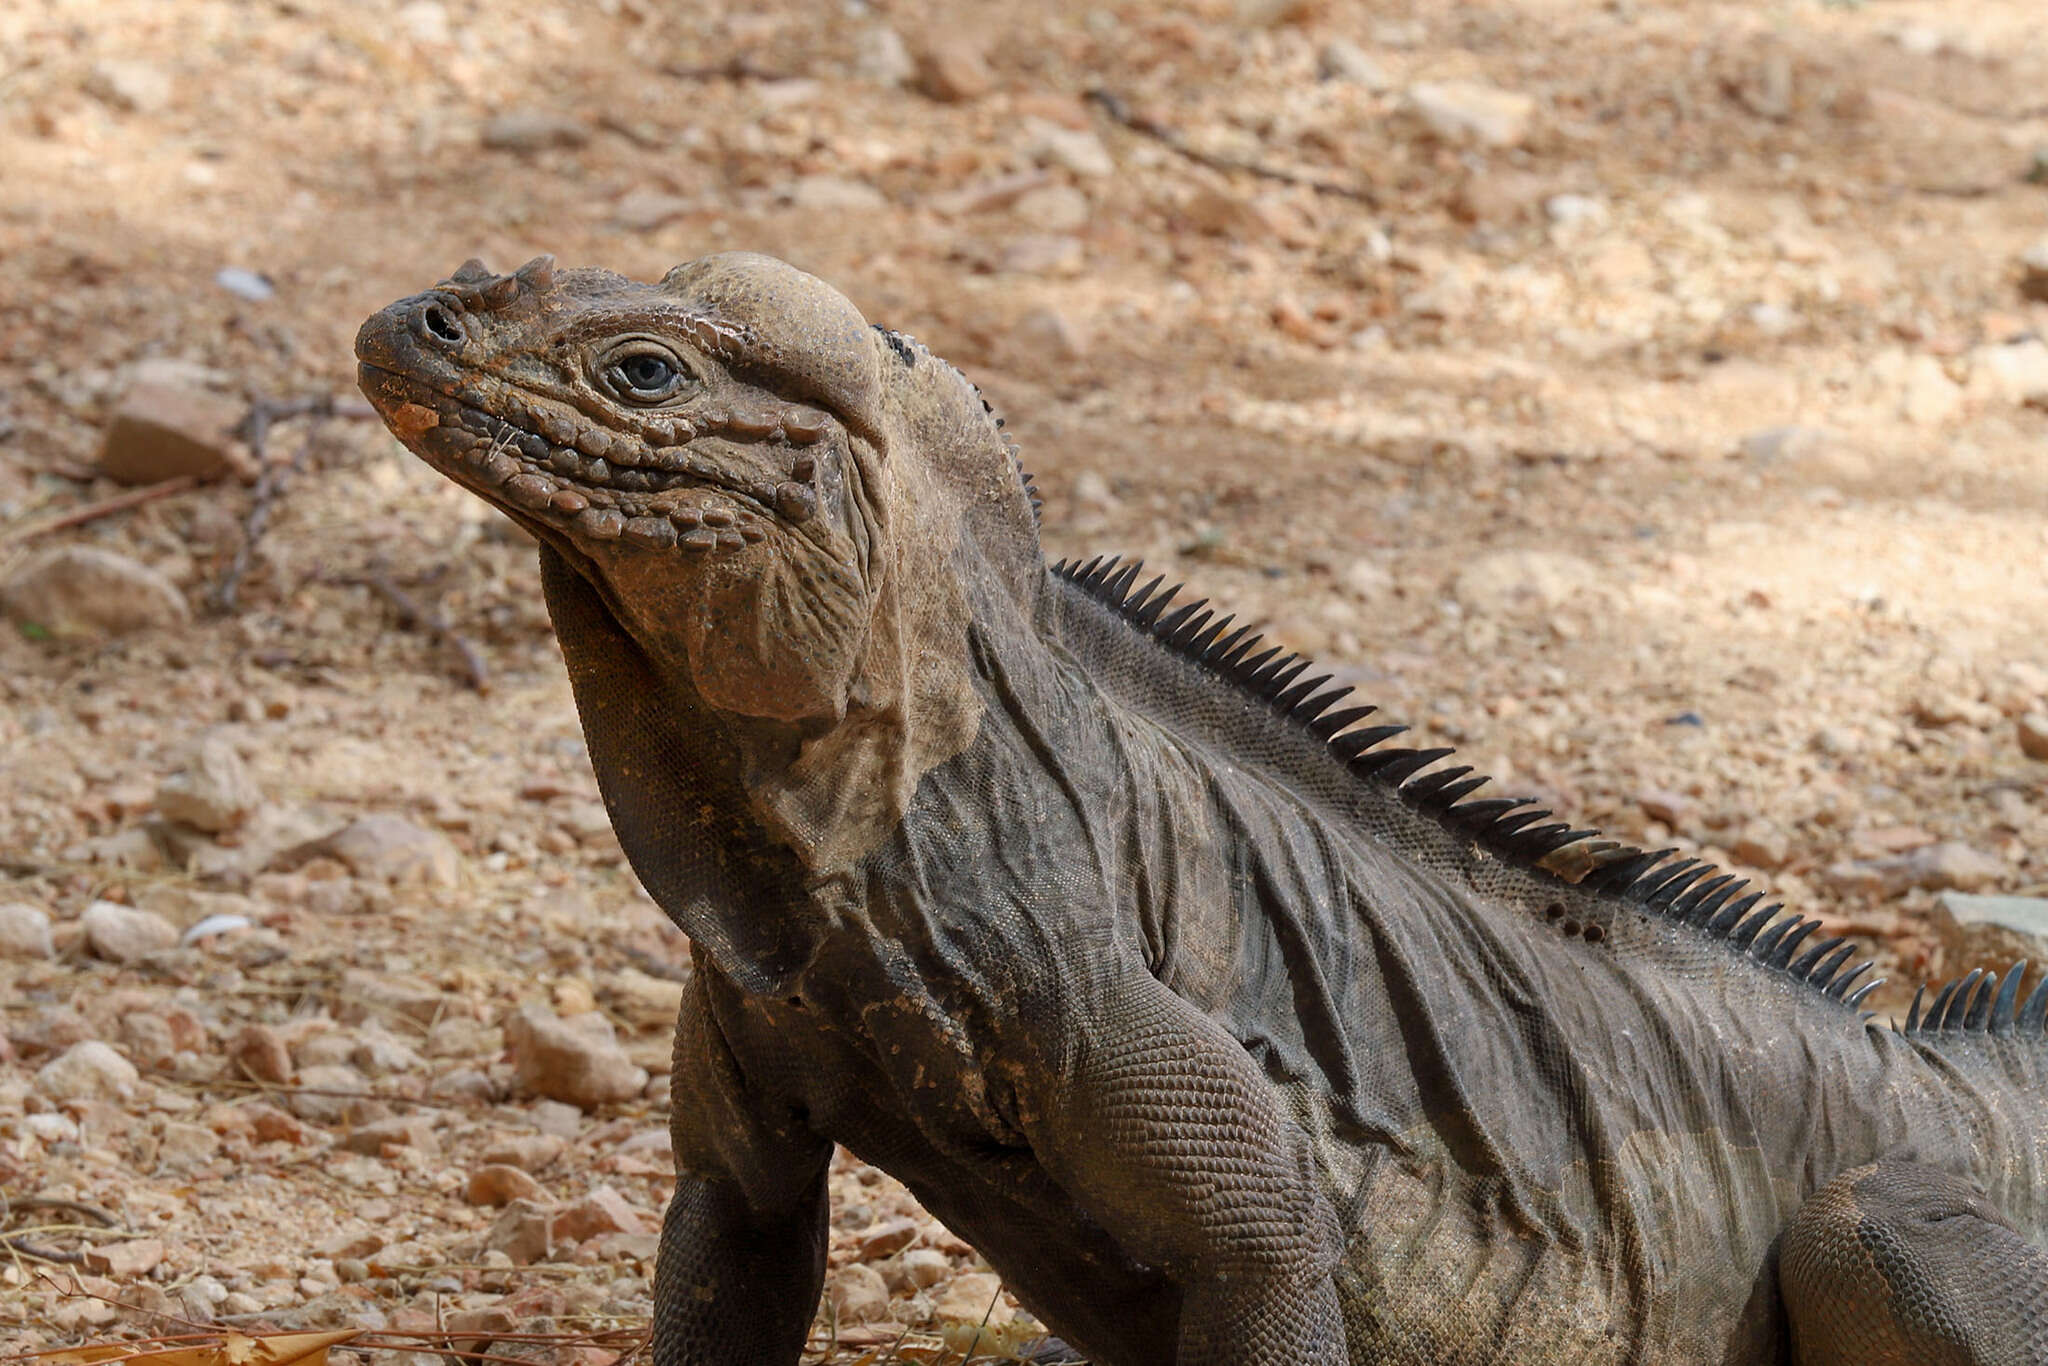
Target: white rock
881,57
130,86
1046,334
1466,111
425,21
1054,208
1342,60
24,931
1092,489
392,849
333,1092
87,1071
122,934
76,591
1518,582
643,210
1366,580
1572,210
1922,390
832,194
1077,149
924,1267
2017,373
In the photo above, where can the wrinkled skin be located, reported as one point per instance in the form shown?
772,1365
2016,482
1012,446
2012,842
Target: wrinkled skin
1218,1053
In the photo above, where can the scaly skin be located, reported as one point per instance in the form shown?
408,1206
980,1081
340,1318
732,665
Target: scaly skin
1224,1031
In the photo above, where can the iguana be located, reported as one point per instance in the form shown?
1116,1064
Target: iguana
1226,1029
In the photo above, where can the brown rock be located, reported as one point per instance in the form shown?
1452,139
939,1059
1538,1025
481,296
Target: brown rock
475,1330
924,1267
968,1298
125,1260
1042,253
497,1183
1668,807
1989,931
212,791
1762,845
1465,112
403,1131
1497,197
2032,729
604,1210
465,1086
367,995
858,1294
527,1152
334,1093
160,432
885,1239
132,87
25,931
1952,865
953,69
1937,867
51,1029
79,591
622,1247
577,1064
521,1233
2034,272
275,1126
389,849
260,1052
360,1243
87,1071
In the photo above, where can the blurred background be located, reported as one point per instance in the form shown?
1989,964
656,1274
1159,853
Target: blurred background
1648,398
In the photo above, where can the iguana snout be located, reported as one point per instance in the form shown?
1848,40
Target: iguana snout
694,444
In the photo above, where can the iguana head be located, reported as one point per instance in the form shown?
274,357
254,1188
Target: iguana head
746,470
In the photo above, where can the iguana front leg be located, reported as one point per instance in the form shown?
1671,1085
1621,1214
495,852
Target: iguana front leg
1169,1136
743,1243
1899,1264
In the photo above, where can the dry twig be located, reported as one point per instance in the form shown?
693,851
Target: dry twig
17,1244
92,512
273,479
412,612
1120,111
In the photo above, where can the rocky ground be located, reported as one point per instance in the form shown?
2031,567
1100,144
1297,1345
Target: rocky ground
1648,398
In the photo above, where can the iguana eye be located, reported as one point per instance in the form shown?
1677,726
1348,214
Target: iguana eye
642,373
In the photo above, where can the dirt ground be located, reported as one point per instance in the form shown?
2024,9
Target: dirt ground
1650,422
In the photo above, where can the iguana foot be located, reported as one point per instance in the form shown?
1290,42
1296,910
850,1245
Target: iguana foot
1899,1264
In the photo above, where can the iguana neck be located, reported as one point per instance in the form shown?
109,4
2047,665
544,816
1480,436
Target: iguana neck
833,789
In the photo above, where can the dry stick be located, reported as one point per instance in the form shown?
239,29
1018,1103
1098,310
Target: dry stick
411,612
1120,111
91,512
270,484
16,1243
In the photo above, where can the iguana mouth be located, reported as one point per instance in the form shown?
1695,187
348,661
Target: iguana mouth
588,482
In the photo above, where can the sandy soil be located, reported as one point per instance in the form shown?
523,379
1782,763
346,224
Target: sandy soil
1656,453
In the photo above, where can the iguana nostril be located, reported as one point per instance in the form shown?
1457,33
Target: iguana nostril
438,324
